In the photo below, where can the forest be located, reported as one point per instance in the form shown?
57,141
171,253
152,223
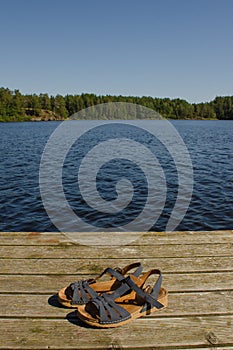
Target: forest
15,106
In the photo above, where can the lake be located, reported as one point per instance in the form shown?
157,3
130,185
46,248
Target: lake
210,145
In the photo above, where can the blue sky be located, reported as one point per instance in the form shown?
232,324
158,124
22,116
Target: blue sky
162,48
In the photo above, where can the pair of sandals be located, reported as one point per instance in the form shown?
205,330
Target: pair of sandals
118,300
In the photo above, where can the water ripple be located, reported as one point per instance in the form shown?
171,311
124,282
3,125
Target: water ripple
210,144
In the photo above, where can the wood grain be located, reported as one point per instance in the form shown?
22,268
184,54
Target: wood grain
116,252
151,333
56,238
96,266
197,271
173,282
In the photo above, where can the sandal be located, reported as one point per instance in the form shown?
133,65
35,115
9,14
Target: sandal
130,301
82,291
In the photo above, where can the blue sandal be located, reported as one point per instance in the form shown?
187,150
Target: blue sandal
82,291
130,301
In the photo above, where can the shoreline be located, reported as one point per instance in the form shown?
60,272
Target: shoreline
67,119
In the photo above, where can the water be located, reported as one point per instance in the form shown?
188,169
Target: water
210,144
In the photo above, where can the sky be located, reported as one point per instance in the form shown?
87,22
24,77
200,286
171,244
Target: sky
158,48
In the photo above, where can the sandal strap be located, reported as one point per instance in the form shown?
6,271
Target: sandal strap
109,311
82,292
130,285
119,273
157,286
113,272
120,291
124,288
136,273
149,298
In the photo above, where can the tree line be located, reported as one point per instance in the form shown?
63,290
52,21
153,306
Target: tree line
15,106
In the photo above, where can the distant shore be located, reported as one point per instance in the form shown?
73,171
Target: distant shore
17,107
42,119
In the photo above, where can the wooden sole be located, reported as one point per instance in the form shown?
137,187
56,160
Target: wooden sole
134,310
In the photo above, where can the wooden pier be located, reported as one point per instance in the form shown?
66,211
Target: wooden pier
197,271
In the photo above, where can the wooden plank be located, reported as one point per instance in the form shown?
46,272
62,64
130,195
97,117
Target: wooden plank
33,238
57,238
95,266
180,304
122,238
50,284
141,252
171,332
